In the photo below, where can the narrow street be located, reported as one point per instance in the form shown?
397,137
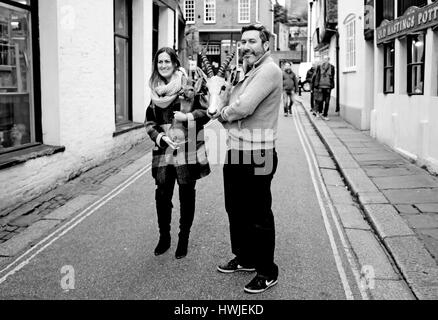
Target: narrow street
111,249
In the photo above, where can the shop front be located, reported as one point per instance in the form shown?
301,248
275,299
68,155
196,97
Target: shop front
406,77
18,106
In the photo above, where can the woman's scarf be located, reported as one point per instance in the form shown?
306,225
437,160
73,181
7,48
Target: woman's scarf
164,94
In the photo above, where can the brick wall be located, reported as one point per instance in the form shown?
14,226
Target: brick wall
77,84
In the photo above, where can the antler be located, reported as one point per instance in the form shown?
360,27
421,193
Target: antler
207,65
223,68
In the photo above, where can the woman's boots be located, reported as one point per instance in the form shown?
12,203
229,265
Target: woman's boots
163,199
163,245
181,250
187,196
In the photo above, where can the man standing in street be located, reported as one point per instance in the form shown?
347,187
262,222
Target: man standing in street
251,120
290,87
325,81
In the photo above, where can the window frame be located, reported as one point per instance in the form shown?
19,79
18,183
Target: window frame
211,3
351,44
411,64
128,39
387,67
239,14
34,87
193,3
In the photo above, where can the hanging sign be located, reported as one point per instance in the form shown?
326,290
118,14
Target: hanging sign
415,19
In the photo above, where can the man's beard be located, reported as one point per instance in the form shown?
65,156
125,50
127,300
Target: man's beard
246,52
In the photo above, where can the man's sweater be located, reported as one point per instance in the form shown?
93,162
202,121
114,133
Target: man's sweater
290,81
251,119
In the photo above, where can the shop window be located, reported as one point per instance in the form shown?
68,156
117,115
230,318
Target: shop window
416,56
244,11
19,121
209,11
189,11
388,67
404,5
123,62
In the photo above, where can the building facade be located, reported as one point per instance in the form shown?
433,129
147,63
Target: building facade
298,39
405,114
389,73
70,96
323,23
356,55
216,26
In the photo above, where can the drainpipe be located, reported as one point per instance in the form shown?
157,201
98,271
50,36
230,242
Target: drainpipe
310,31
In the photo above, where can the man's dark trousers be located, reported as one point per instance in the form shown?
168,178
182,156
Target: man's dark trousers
325,103
248,201
312,101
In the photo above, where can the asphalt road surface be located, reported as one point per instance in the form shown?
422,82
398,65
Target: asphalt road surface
109,254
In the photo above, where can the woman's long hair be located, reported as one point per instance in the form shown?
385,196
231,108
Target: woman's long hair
155,74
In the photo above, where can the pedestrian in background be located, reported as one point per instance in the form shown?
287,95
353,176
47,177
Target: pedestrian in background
310,80
290,87
251,120
170,161
325,81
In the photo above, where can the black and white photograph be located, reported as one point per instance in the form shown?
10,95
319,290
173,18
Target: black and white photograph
218,156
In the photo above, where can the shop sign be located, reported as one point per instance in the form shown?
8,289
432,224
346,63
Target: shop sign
415,19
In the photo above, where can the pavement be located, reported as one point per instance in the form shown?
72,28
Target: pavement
399,199
70,195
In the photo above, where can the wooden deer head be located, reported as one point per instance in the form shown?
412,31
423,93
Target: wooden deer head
218,88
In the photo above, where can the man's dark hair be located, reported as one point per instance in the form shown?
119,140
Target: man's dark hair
265,35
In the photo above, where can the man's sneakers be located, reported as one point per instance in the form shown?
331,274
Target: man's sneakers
234,266
326,118
260,284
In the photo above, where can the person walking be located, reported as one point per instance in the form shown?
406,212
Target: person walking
310,79
325,81
251,121
176,156
290,87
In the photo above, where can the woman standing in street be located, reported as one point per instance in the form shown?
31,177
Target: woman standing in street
179,154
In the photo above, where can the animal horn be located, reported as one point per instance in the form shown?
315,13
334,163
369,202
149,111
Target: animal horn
223,68
207,65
